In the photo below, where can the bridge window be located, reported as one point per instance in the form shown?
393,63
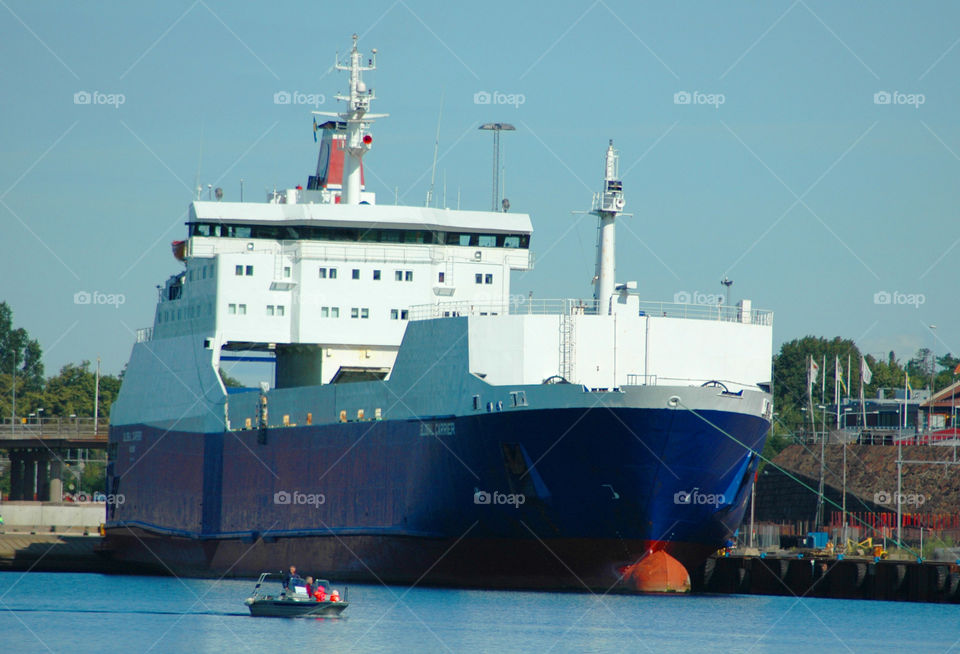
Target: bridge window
239,271
488,279
408,276
249,271
398,275
356,273
376,274
488,241
394,314
478,278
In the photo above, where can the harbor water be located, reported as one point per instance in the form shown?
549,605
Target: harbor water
65,612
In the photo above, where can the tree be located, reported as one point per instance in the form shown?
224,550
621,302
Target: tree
73,392
20,357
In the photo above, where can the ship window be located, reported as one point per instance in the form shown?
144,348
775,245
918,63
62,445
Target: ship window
334,312
354,312
269,309
488,241
286,271
408,276
364,313
179,317
323,273
249,270
394,314
403,314
511,241
390,236
440,277
476,402
376,274
333,273
488,279
280,310
242,309
204,272
324,312
239,270
463,239
478,278
356,273
398,275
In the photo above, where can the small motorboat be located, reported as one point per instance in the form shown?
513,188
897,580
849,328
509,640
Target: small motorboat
294,602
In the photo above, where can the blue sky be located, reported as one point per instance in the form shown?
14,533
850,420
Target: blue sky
786,171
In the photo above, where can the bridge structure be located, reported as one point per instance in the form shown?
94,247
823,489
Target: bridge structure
40,449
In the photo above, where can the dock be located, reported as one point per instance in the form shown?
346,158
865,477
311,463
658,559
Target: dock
836,578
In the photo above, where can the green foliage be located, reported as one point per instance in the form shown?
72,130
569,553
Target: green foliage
73,392
94,478
20,353
229,381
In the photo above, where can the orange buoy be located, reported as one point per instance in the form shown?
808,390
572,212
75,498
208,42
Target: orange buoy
657,572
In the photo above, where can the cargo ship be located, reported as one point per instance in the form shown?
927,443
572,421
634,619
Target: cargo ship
413,421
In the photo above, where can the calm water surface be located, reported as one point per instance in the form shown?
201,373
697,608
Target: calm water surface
42,612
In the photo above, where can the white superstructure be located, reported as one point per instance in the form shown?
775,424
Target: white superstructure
325,275
321,282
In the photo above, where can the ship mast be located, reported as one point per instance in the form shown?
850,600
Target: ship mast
607,205
358,121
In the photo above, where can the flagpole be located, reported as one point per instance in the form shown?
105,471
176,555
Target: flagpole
837,377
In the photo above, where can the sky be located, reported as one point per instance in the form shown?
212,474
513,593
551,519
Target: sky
808,150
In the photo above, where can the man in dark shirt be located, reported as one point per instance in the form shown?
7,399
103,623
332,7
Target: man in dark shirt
290,577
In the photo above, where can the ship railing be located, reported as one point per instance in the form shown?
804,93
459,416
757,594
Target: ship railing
358,251
519,305
53,427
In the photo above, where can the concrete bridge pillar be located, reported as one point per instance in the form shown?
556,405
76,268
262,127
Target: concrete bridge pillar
16,475
55,489
43,475
29,475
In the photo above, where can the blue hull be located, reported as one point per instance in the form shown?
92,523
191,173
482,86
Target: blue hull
537,498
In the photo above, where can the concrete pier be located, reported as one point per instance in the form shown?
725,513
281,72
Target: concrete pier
848,578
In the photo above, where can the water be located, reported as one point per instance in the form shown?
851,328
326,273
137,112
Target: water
76,613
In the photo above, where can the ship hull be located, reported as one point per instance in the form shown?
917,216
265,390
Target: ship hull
561,498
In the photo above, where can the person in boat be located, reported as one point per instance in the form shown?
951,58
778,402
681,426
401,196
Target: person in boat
291,580
309,585
320,593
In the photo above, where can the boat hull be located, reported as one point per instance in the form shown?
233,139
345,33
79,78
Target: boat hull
439,501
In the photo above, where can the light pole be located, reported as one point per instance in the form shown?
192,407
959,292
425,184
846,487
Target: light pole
823,440
933,377
496,128
844,508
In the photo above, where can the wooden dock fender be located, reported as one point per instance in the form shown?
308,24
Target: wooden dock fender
861,574
954,583
784,568
901,574
942,575
743,583
708,567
